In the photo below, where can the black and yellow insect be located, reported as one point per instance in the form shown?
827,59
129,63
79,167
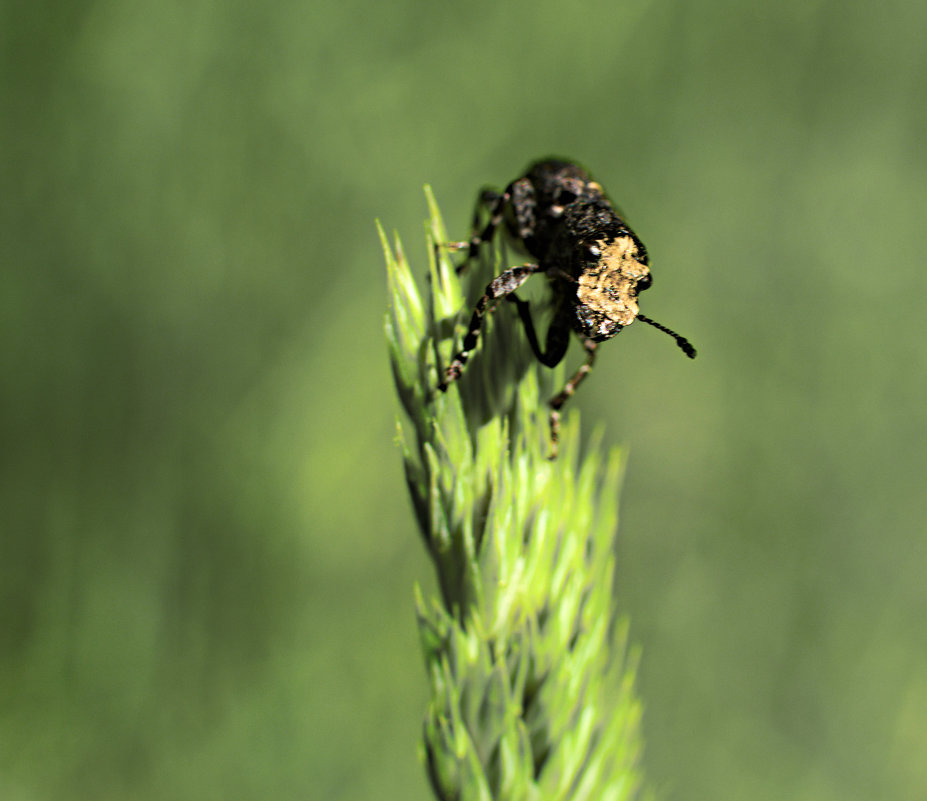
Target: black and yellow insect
595,265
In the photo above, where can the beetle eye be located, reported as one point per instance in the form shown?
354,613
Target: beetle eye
565,197
644,283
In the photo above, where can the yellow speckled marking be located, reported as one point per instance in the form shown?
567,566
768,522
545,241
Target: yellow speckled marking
610,288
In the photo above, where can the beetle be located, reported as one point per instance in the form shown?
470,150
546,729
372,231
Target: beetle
595,264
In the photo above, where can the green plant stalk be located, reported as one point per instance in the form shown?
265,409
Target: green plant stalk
532,690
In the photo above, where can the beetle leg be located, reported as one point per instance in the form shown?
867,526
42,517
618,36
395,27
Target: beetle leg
556,404
557,335
501,286
494,202
524,210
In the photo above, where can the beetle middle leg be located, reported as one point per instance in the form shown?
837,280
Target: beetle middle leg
500,287
557,341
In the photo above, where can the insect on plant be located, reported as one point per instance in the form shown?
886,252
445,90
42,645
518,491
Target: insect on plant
595,265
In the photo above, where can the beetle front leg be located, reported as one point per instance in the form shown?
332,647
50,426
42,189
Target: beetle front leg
556,404
500,287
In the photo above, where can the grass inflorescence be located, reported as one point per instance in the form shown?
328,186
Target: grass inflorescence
532,692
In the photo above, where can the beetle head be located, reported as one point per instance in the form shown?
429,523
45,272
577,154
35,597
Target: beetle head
608,286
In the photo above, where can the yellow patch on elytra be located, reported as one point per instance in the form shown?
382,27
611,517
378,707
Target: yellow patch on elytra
608,288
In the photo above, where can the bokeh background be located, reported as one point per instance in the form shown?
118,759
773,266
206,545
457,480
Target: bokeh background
207,556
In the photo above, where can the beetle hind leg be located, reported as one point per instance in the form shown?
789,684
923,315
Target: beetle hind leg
489,200
557,402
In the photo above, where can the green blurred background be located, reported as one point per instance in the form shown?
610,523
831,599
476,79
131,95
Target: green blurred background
207,555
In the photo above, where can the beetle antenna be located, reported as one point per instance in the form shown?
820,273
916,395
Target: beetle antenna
683,343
